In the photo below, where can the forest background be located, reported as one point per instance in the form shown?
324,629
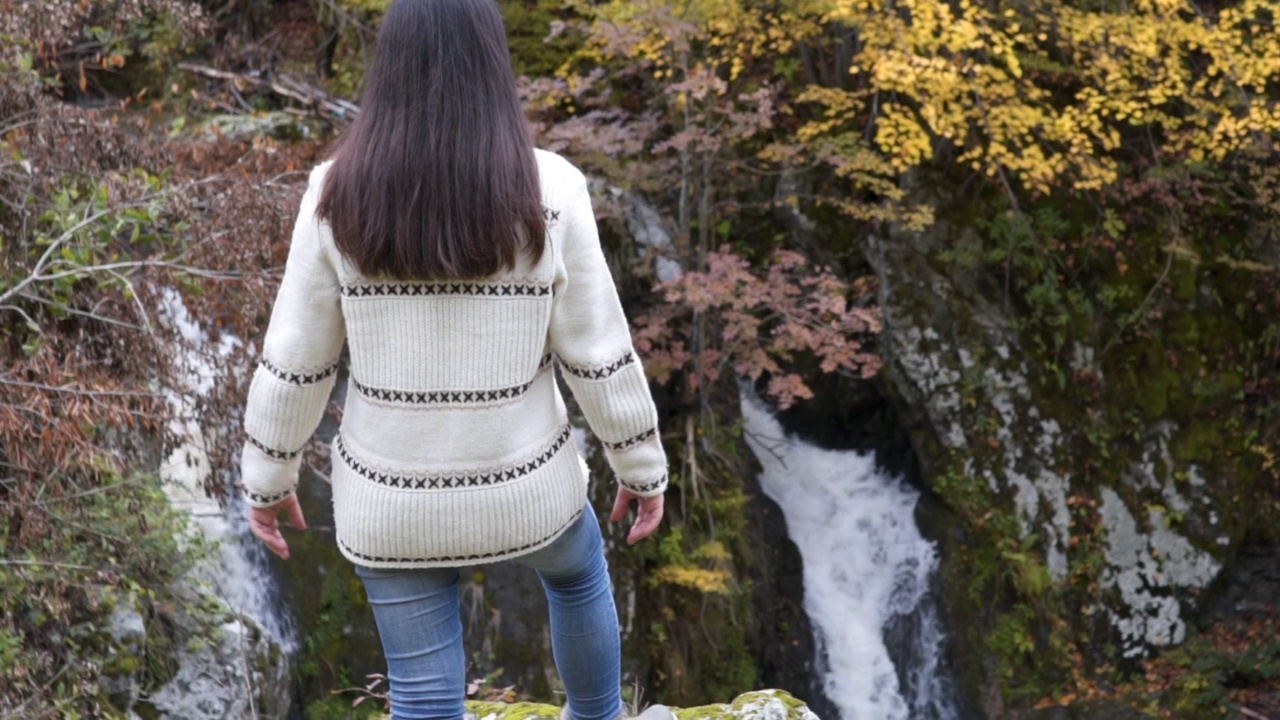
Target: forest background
1098,174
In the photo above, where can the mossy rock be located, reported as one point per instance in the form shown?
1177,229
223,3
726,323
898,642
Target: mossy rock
757,705
511,711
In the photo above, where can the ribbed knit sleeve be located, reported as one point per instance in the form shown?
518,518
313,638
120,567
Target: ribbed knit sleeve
299,363
590,335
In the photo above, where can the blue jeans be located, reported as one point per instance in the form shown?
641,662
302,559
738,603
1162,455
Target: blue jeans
421,630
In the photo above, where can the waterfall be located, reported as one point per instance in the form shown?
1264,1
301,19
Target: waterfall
867,571
242,577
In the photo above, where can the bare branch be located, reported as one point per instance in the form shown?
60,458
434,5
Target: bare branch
309,95
70,310
30,321
47,257
5,380
43,563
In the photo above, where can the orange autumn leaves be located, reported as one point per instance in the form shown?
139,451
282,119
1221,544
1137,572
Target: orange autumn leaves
762,323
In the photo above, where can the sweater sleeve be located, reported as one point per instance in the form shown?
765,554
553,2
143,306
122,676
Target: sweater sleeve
589,333
299,362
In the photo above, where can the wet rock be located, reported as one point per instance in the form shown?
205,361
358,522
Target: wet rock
236,671
127,630
1251,584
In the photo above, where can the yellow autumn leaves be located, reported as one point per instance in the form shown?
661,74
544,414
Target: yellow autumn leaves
1039,92
1044,91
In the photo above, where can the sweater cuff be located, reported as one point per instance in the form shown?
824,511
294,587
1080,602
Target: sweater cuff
652,488
268,477
639,462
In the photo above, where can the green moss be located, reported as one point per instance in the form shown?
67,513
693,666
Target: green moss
122,663
1183,279
340,647
1230,382
61,594
1174,347
1183,330
513,711
528,25
1196,442
341,708
161,662
747,705
1153,392
697,637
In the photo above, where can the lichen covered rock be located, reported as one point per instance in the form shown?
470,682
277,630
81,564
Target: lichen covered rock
757,705
1096,470
237,671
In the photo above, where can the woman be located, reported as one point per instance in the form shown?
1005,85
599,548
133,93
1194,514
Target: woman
460,266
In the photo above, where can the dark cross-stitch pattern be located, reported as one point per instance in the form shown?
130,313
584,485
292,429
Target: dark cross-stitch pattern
632,441
446,482
451,288
645,487
599,373
449,397
267,499
272,452
298,378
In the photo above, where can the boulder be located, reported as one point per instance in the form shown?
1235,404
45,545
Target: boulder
756,705
238,671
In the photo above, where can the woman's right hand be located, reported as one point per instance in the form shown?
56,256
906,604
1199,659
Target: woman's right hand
648,515
265,524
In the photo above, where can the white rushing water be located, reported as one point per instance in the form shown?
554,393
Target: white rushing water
242,578
865,566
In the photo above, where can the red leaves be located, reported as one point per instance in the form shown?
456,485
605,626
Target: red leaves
1227,669
758,323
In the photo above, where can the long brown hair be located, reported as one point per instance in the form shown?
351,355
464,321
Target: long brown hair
437,178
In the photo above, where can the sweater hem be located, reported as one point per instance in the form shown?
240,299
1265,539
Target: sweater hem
376,561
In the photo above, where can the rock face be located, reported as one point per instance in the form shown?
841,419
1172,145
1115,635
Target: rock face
762,705
126,633
238,671
1252,582
225,665
219,664
1095,484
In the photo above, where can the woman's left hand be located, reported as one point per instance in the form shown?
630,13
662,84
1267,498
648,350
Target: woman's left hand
648,513
265,524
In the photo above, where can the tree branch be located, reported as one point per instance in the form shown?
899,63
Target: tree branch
47,257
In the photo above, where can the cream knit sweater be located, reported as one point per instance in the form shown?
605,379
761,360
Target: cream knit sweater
454,447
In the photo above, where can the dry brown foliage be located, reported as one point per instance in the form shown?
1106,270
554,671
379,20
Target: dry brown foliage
88,361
